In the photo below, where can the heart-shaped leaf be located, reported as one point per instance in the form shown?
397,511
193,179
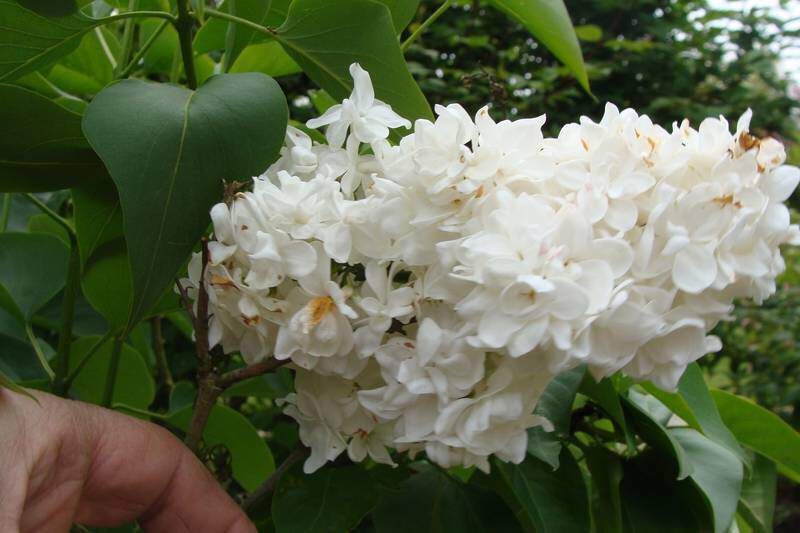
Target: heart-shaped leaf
42,147
325,37
168,149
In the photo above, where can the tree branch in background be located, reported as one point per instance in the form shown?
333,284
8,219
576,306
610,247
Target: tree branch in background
164,373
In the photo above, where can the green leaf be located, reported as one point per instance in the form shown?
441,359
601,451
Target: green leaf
757,502
33,268
589,32
606,474
44,224
87,69
325,37
134,385
551,500
760,430
716,471
548,21
36,33
694,404
429,501
402,11
329,500
107,284
556,406
98,217
267,58
653,433
251,459
168,150
42,147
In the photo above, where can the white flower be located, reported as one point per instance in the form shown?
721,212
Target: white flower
426,293
367,118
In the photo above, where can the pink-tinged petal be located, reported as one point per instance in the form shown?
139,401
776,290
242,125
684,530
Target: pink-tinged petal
695,269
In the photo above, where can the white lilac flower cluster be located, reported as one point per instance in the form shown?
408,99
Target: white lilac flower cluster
427,291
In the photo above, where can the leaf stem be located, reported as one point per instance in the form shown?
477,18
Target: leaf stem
93,350
143,50
38,349
6,212
269,485
138,14
127,37
184,24
230,39
52,214
424,26
238,20
67,317
113,369
137,411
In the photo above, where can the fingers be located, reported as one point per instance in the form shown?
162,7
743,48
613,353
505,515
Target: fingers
139,470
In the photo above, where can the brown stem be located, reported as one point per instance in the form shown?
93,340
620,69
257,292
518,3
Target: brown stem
269,485
207,395
250,371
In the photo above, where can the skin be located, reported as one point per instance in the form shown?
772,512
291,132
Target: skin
65,462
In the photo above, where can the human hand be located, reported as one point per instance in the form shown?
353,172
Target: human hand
65,462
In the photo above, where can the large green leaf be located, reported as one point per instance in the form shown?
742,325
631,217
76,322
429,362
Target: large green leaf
549,22
33,268
760,430
134,385
36,33
251,459
694,404
326,37
427,502
553,501
653,433
757,503
331,499
556,406
716,471
7,383
168,150
42,147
